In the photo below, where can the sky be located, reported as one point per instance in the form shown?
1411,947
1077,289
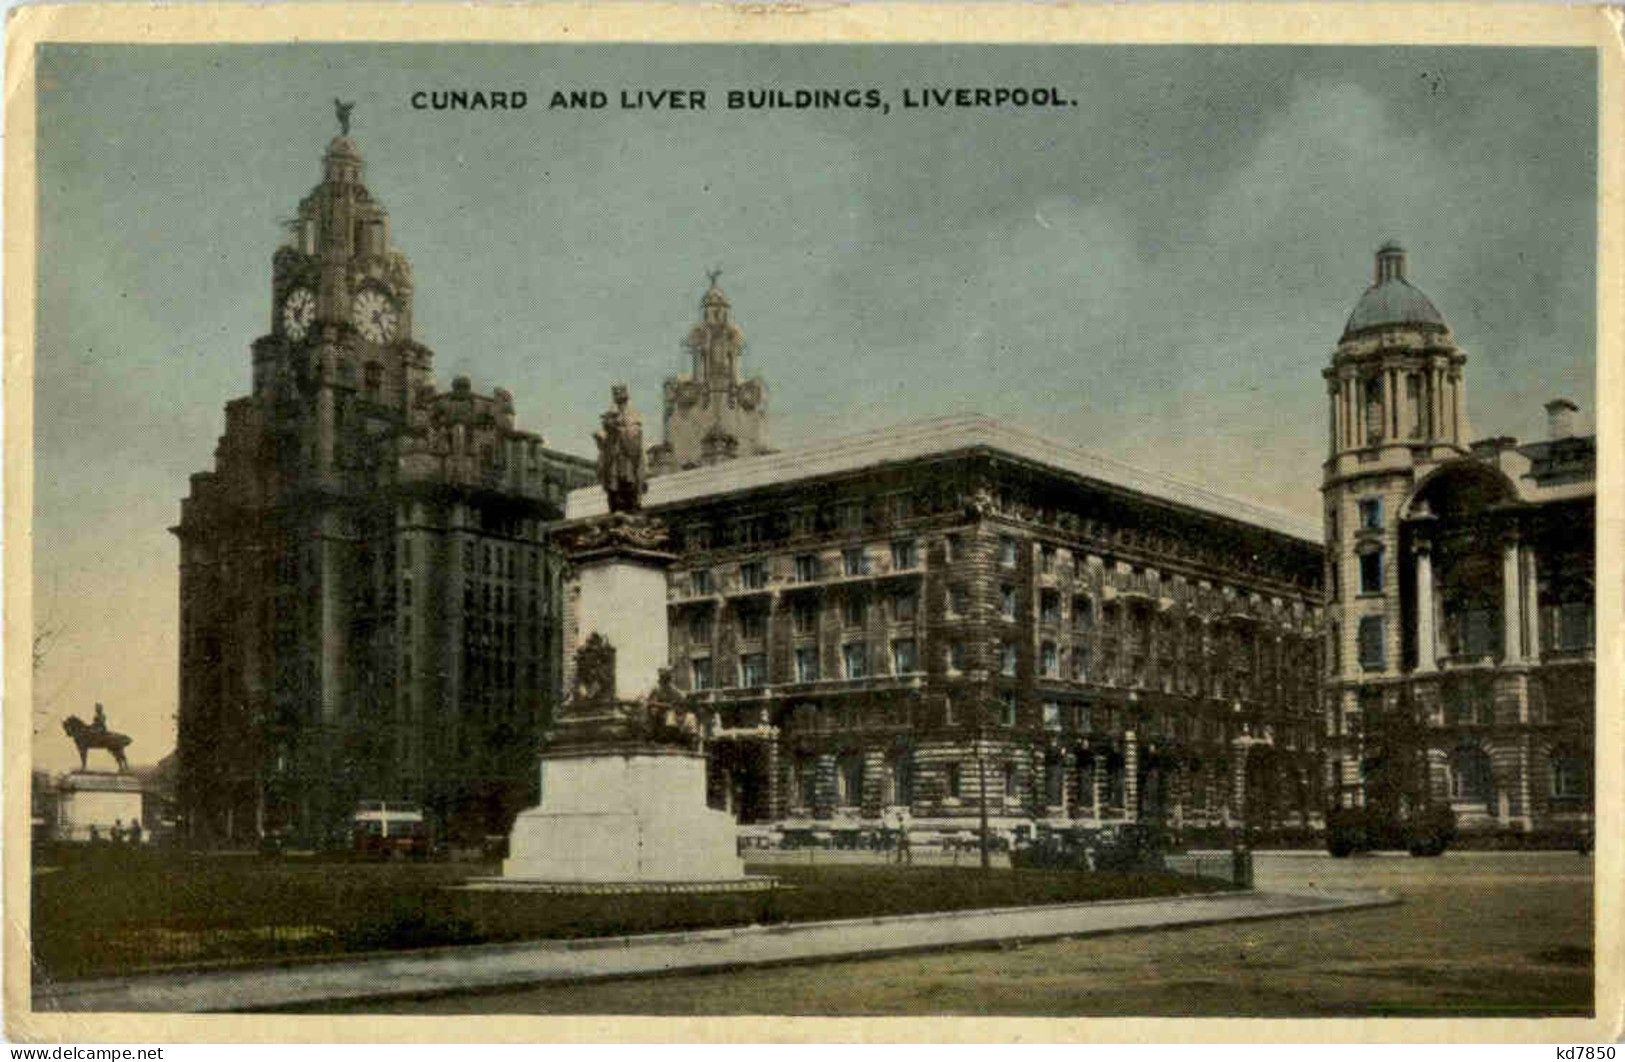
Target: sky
1158,270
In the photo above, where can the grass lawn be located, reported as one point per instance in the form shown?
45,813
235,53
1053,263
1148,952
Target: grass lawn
117,911
1478,934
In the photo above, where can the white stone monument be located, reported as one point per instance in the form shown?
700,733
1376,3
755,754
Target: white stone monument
623,772
623,775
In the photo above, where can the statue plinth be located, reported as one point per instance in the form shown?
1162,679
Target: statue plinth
98,801
623,769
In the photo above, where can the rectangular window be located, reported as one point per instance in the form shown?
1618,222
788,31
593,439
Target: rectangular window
1007,708
1370,514
904,607
699,629
753,625
1574,626
1083,613
1413,402
956,656
753,575
958,600
955,781
904,657
904,555
855,660
753,669
1007,658
1007,602
1050,660
1052,715
1371,572
699,582
1007,551
1372,656
1046,559
953,547
807,568
854,562
854,611
1080,662
1049,606
801,522
805,617
807,664
902,506
851,516
700,668
752,531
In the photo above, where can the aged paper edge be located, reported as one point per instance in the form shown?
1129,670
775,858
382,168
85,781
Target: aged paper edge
1376,23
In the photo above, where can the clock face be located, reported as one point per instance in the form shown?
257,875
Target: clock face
374,316
298,311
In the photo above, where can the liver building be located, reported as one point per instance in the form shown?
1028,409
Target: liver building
367,596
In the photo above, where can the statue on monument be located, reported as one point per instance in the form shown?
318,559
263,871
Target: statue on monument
95,735
620,454
343,110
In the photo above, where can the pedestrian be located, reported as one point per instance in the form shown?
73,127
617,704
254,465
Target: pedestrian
118,831
135,832
903,853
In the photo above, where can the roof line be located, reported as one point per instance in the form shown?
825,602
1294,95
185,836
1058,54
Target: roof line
912,440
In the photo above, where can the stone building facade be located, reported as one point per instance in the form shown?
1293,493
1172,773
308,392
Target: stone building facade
368,600
1460,585
911,618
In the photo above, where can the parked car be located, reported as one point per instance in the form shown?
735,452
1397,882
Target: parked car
1423,831
389,830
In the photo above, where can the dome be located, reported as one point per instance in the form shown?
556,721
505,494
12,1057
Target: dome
1392,300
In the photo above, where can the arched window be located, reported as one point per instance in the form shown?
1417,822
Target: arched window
1471,777
900,778
849,779
1571,775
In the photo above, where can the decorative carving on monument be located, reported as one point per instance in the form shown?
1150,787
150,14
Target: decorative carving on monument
620,454
96,735
633,531
595,670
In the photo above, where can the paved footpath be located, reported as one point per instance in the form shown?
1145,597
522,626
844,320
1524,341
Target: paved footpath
449,970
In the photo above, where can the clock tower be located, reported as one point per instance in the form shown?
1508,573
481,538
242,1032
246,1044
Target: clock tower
367,593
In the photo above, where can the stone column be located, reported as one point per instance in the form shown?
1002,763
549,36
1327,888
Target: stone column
1426,639
1511,603
1131,777
1531,603
1388,404
1099,784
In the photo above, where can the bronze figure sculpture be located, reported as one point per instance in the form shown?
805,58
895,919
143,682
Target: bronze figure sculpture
95,735
620,454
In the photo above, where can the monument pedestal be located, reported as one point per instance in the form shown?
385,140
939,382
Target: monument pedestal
623,803
634,816
87,799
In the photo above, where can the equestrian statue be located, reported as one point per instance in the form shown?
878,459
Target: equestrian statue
95,735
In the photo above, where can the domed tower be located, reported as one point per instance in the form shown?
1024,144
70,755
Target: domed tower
1397,407
711,414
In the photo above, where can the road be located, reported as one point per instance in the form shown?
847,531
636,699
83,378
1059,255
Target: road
1479,934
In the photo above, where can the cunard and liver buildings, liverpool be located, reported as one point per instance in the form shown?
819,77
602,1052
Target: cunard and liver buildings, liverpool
953,616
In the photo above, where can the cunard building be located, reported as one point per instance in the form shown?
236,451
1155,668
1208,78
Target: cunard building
1461,584
957,611
368,603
